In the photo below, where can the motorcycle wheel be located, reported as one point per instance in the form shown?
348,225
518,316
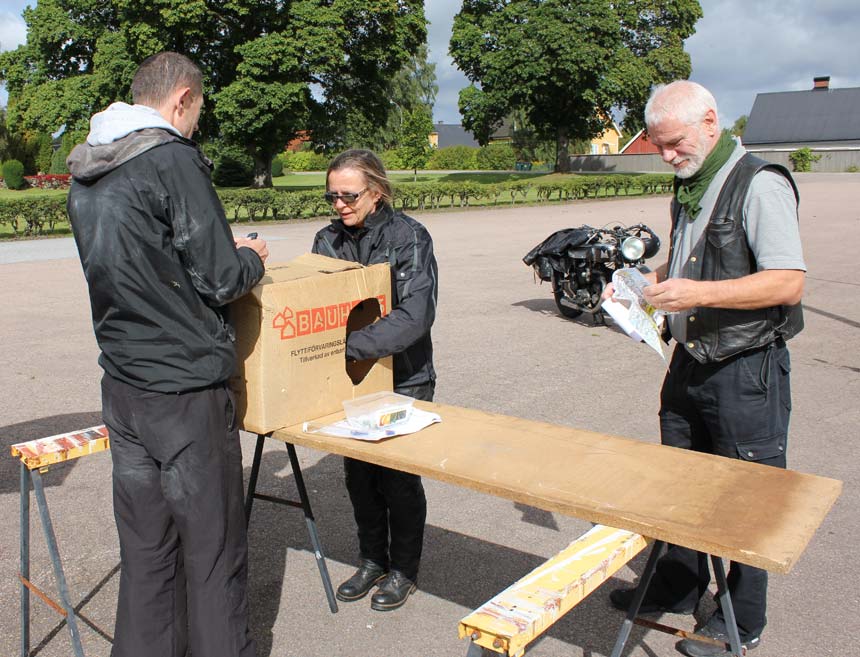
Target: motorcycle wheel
562,303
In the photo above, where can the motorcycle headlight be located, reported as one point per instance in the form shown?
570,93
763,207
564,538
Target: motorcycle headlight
633,248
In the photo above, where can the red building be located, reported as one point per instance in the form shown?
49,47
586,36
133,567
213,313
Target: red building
639,145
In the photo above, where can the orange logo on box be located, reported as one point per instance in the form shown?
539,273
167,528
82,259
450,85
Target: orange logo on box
319,319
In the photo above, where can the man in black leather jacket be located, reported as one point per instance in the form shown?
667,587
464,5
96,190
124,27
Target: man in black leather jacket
733,284
161,264
389,506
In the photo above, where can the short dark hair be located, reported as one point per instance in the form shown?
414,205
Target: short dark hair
369,164
161,74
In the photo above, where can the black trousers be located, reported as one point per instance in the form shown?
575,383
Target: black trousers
739,409
389,508
177,489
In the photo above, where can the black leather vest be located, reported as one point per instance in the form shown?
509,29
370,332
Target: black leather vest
723,253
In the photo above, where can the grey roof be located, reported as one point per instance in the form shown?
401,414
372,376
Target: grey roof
453,135
817,115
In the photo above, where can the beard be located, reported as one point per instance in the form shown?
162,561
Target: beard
694,160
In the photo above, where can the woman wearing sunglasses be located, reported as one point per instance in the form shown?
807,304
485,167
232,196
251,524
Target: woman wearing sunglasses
389,506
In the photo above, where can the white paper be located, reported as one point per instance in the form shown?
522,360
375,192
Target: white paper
417,420
632,313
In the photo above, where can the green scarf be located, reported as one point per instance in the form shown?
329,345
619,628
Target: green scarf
689,191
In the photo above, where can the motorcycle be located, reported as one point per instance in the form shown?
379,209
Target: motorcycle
579,262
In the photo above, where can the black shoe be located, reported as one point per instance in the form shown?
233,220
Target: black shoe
694,648
622,599
364,579
392,592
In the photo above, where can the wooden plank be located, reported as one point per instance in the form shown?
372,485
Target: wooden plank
754,514
522,612
43,452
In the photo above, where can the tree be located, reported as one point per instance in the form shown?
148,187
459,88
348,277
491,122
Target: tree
272,68
740,125
415,148
566,64
413,86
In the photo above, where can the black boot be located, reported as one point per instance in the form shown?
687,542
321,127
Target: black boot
392,592
364,579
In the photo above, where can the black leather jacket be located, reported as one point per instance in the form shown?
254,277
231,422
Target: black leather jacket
723,253
159,259
392,237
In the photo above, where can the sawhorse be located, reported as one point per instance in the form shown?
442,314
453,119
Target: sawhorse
36,456
514,618
723,598
304,504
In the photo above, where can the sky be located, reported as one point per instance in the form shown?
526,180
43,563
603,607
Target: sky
734,54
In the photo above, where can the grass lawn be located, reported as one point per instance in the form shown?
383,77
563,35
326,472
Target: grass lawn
7,194
316,181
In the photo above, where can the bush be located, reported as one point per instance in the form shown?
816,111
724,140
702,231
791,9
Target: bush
13,175
454,158
305,161
277,166
233,167
803,158
391,160
496,157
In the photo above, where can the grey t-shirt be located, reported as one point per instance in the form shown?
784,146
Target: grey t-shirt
770,221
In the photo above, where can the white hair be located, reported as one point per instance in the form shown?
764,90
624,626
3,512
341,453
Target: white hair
686,101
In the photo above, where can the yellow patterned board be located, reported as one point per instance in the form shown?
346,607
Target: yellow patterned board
526,609
62,447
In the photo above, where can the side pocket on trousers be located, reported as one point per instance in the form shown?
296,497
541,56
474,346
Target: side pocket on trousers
768,451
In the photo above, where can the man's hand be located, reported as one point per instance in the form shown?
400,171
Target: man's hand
608,291
257,245
674,294
651,276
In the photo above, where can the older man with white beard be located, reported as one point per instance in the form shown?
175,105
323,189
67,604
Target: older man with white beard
733,283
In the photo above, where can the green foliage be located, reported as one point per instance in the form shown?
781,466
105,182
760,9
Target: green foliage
415,148
304,161
13,175
454,158
802,159
67,143
852,168
740,125
261,61
45,152
233,167
496,157
391,160
32,216
277,167
413,86
567,65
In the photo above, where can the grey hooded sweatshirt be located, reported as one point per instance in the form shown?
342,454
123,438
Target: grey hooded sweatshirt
157,253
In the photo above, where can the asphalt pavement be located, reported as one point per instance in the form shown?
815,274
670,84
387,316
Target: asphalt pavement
500,346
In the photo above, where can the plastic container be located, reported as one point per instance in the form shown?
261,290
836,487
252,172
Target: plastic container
378,410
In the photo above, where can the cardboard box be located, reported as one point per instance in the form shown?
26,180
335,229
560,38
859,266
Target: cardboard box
291,338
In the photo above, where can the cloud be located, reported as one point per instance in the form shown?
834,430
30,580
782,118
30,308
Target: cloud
13,32
780,48
737,51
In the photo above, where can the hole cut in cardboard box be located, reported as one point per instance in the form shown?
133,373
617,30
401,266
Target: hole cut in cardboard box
291,332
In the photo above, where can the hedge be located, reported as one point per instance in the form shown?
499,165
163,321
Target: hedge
30,216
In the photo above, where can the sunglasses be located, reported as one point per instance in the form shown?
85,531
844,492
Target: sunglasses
349,197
